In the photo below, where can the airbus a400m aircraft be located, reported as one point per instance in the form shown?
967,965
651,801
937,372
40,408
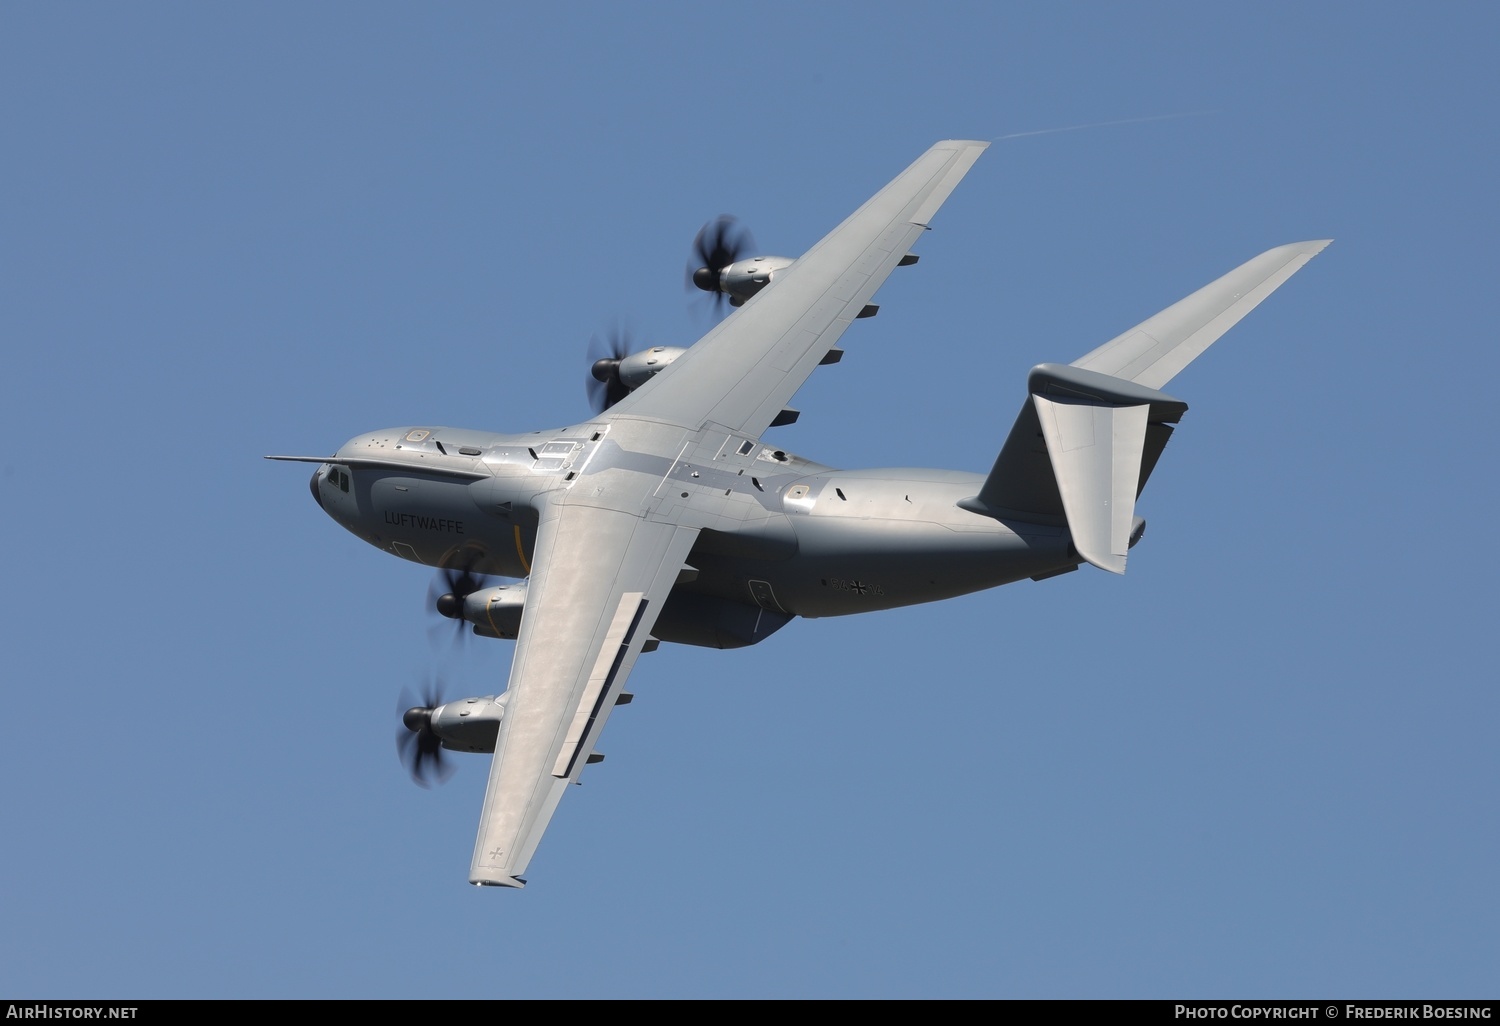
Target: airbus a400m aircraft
668,517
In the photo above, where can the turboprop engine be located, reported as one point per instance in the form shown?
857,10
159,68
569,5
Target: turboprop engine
463,725
720,265
741,279
708,621
494,612
635,370
615,371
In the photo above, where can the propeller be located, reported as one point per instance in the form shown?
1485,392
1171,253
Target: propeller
604,354
446,594
420,749
719,243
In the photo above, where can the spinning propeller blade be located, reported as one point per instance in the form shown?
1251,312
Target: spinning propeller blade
421,750
604,355
445,597
719,243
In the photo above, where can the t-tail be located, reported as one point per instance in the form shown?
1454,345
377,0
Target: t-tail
1090,433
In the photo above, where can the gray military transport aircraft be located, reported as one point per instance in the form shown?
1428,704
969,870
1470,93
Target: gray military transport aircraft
667,517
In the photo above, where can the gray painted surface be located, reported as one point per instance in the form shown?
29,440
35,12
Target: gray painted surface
668,517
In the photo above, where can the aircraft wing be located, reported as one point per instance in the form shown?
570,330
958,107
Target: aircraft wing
599,577
743,372
611,545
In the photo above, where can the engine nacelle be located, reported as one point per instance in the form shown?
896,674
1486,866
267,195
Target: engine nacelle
744,278
469,724
639,368
496,612
702,620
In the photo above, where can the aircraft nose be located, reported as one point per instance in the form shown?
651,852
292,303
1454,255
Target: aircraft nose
313,484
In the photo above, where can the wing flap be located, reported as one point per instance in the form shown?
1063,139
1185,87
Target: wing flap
606,668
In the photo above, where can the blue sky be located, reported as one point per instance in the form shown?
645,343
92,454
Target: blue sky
1260,764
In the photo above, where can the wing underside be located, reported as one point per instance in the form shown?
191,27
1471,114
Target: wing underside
742,373
598,582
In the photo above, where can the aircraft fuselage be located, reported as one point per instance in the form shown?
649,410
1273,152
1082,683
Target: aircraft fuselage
782,536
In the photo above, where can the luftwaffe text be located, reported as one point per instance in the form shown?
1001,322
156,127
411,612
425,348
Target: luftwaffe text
425,523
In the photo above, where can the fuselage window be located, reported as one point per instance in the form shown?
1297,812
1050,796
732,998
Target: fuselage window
343,480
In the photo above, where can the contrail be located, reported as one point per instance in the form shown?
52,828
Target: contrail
1104,124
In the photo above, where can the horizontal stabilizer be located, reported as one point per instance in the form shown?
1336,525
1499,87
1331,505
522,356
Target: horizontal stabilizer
1154,351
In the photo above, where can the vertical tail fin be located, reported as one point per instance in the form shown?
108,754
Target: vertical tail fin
1095,428
1093,439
